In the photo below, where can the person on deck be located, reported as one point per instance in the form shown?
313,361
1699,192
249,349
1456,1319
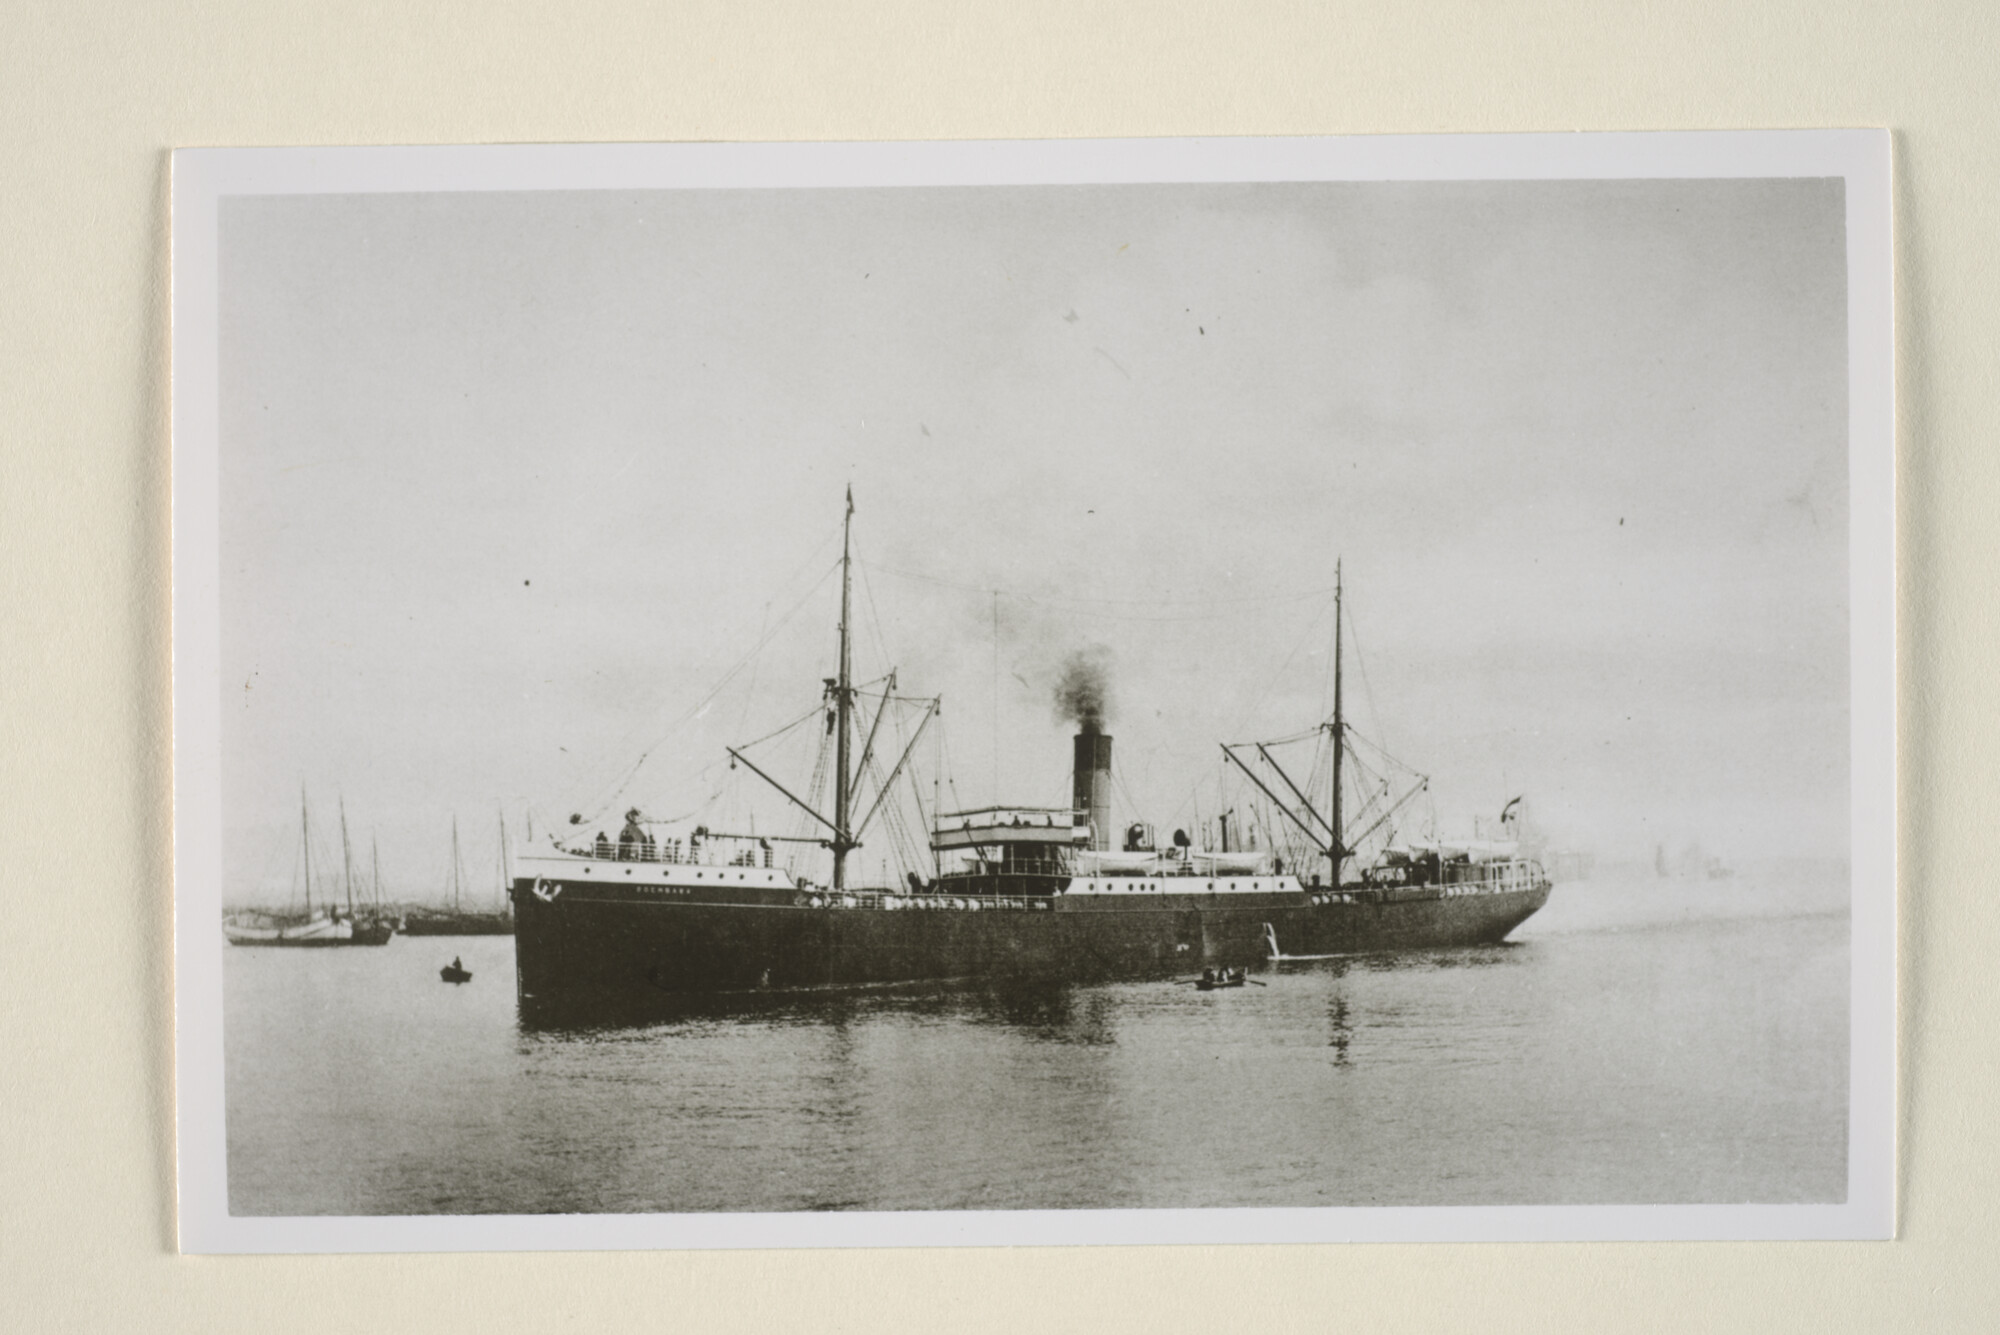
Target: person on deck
632,838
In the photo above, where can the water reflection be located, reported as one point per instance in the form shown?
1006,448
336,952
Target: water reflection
1343,1031
1068,1013
1599,1065
1353,1004
1456,957
591,1017
1052,1012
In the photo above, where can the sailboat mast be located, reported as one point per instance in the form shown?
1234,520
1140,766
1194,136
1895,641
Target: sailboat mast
842,702
306,845
503,858
1336,847
375,857
454,864
346,860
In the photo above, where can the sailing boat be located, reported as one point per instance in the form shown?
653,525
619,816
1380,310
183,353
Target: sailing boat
1036,893
326,926
369,928
457,920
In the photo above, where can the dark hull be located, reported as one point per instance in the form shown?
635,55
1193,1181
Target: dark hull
459,924
583,949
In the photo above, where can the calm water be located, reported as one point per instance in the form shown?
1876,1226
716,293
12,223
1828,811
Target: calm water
1637,1042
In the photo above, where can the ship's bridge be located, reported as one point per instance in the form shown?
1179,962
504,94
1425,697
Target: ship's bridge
1053,826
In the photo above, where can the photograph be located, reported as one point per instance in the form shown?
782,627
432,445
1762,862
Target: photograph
1180,690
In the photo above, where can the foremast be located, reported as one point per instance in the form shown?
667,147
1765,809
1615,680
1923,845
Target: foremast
844,832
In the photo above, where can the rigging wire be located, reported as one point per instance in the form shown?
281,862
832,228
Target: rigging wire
1118,782
810,714
750,691
900,844
804,827
950,774
596,806
1284,741
937,787
903,847
1272,684
609,799
1326,686
874,613
1375,715
265,880
1231,606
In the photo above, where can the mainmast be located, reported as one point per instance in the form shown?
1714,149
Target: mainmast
454,864
1334,845
843,697
375,857
1336,848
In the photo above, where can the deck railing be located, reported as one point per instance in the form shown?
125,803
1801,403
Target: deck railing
877,899
1485,878
673,852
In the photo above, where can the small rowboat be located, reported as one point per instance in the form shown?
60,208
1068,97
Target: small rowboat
1211,981
454,972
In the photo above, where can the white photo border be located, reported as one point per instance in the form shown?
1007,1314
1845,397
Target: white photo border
203,176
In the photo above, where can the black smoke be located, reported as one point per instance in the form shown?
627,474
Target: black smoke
1083,688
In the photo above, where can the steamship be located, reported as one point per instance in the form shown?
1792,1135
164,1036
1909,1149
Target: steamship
1019,893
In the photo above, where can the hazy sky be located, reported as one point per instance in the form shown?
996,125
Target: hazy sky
511,481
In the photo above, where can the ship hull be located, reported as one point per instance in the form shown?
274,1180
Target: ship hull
313,935
458,924
585,948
